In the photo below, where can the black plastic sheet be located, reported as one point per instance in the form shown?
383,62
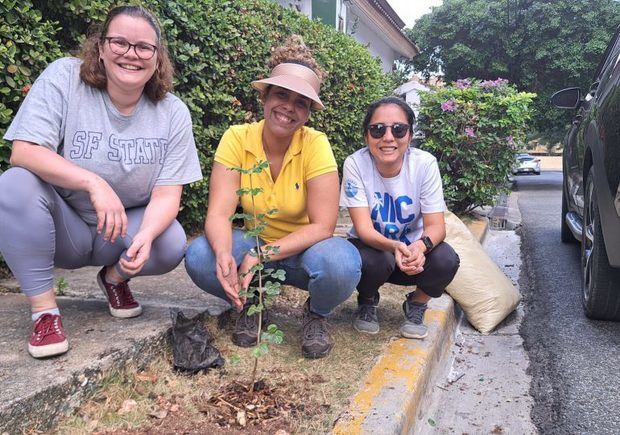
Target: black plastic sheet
191,344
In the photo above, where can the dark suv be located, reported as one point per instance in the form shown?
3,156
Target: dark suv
591,190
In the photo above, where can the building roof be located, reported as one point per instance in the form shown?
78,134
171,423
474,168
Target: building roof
387,20
384,7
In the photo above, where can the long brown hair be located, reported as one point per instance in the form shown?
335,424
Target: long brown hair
92,71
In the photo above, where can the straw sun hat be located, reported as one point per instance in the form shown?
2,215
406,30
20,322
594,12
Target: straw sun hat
294,77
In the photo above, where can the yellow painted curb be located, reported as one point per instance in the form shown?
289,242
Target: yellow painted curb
390,395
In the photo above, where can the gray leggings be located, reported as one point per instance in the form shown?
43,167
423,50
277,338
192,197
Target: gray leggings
39,230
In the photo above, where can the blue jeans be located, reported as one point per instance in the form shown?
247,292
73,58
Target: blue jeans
329,270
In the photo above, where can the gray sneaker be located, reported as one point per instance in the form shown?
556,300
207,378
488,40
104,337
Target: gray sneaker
366,319
316,342
413,326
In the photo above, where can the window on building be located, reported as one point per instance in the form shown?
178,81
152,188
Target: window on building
325,10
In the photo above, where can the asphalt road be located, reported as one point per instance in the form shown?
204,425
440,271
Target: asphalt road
574,361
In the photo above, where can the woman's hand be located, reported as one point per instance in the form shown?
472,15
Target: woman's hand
401,252
138,253
226,272
249,261
111,217
414,262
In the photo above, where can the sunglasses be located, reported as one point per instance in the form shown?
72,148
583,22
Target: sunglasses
399,130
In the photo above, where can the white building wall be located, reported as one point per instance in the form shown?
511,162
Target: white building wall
367,36
341,16
354,26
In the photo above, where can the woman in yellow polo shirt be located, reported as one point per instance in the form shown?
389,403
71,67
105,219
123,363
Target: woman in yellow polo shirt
301,182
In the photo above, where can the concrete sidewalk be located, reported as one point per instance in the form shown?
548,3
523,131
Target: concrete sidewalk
99,343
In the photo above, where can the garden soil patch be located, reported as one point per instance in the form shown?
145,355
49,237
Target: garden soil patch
293,394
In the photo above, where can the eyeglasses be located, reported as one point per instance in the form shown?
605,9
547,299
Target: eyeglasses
399,130
143,50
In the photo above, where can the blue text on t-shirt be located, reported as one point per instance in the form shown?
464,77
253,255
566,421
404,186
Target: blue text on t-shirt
391,211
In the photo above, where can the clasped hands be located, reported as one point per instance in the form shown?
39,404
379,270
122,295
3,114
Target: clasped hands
409,258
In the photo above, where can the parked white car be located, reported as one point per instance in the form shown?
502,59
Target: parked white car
526,164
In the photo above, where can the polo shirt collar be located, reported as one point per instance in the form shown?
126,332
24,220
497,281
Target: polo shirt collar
254,144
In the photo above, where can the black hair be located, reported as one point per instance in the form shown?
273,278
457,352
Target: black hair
384,102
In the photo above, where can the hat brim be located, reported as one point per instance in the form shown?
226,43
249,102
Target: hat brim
292,83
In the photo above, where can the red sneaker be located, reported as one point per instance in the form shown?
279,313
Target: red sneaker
48,337
120,300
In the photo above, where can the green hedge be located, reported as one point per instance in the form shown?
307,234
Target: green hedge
27,45
218,48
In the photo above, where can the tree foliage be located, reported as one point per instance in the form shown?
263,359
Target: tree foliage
265,284
539,45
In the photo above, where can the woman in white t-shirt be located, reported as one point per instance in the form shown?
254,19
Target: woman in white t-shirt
395,198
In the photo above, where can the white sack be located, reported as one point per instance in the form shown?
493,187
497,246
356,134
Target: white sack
482,290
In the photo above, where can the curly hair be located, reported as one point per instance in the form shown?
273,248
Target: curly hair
92,71
295,51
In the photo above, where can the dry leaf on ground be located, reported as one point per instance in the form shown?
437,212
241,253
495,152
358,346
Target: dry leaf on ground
160,414
146,377
127,406
241,418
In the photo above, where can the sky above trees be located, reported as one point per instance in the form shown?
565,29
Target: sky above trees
410,10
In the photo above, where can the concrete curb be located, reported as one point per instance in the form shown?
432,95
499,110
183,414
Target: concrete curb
390,396
42,406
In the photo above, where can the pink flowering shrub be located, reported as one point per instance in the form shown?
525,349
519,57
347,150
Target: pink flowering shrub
463,83
448,106
487,84
474,128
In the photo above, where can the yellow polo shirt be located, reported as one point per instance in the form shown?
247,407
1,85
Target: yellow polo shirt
308,156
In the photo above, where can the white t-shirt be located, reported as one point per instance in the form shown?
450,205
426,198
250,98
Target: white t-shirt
396,204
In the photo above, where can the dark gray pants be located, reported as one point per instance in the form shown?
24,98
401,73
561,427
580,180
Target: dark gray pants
39,230
379,267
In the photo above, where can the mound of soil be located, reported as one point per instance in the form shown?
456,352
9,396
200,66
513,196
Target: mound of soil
233,410
267,408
